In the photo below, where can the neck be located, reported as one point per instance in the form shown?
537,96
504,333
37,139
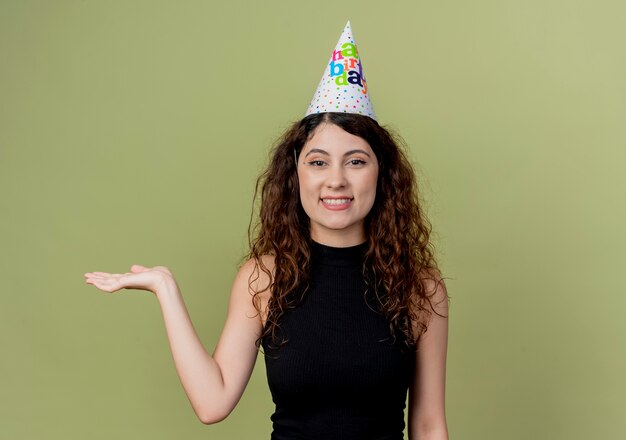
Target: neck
338,238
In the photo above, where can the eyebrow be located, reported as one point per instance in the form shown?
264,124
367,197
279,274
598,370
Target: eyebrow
347,153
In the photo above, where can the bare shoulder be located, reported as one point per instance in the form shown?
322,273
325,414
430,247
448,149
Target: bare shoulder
435,289
253,271
253,275
435,306
433,321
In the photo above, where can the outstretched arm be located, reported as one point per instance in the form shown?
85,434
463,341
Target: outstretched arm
213,384
427,417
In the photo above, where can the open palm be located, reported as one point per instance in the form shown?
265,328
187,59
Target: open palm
139,277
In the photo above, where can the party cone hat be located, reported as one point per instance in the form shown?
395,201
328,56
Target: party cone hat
343,87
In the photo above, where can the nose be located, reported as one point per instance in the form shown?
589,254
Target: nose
336,177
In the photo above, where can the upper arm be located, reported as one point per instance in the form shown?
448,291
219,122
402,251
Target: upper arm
236,351
427,389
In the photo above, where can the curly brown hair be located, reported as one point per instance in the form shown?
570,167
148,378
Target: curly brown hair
399,256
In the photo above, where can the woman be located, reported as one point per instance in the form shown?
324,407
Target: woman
340,288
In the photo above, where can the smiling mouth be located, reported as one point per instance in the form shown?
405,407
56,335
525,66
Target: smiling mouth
337,201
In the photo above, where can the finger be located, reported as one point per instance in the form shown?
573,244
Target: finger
95,282
101,278
163,268
103,285
109,284
102,275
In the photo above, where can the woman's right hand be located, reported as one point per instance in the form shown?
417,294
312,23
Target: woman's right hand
213,383
140,277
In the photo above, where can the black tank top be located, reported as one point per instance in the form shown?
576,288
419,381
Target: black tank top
340,375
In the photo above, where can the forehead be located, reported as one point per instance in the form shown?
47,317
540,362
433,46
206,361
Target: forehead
334,139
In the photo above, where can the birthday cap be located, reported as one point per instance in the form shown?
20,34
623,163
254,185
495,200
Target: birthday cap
343,87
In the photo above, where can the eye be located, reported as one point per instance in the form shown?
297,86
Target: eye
316,163
356,162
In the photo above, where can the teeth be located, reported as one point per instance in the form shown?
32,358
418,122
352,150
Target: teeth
336,201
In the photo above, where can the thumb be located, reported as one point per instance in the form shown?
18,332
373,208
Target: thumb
135,268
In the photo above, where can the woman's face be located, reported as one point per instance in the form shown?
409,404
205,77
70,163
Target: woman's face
337,173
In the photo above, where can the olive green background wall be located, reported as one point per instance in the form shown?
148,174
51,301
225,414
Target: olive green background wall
133,131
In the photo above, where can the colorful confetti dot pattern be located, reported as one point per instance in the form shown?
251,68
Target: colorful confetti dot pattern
343,87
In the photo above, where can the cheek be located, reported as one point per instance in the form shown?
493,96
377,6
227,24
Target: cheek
371,183
306,191
302,184
308,184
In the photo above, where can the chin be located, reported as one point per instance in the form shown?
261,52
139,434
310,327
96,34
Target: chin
338,226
